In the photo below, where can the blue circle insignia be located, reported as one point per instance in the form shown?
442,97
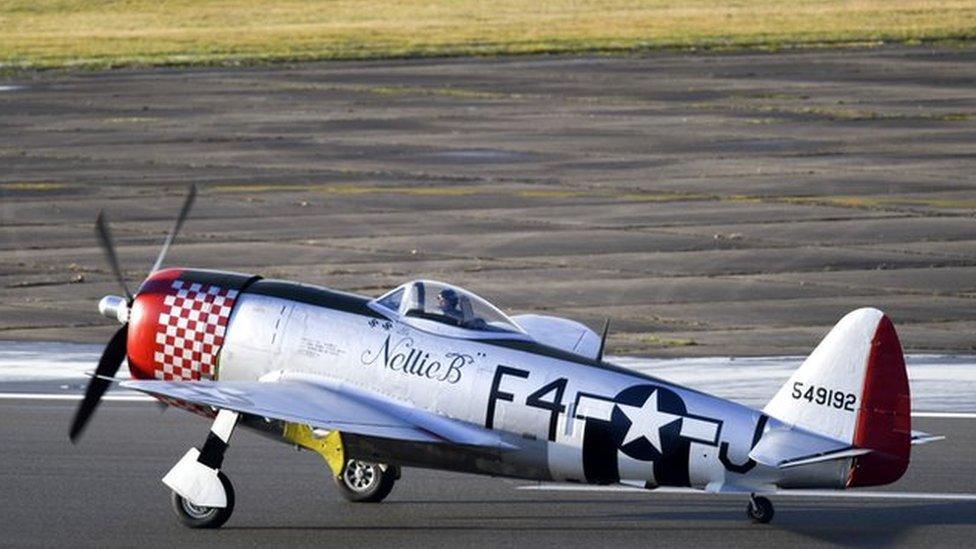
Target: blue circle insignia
646,422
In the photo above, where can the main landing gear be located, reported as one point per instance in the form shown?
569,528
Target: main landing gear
760,509
203,497
358,481
365,482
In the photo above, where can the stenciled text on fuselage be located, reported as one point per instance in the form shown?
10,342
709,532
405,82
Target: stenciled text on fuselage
402,356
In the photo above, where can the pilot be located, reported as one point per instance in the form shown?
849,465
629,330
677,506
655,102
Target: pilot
447,303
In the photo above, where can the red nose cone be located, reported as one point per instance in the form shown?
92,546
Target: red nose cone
144,322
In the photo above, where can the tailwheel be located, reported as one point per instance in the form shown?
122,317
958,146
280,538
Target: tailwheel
365,482
198,516
760,509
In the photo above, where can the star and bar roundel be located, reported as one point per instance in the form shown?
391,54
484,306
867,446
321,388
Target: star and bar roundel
645,423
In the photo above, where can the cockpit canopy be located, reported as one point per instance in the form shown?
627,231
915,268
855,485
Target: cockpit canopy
447,304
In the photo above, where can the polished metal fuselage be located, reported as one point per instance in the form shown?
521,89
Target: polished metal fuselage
571,418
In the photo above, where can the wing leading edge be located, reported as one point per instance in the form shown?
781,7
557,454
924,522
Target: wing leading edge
321,405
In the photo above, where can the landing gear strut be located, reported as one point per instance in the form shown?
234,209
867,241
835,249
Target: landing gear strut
203,497
760,509
365,482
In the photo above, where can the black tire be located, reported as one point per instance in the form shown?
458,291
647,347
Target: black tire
365,482
193,516
760,510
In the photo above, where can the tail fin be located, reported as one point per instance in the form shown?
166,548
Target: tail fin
854,388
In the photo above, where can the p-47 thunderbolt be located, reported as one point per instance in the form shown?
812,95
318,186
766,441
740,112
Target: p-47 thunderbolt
432,375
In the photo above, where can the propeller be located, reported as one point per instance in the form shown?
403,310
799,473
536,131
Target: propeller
184,212
603,340
115,352
108,365
105,240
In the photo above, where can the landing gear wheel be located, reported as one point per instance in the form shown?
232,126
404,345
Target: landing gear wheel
195,516
364,482
760,510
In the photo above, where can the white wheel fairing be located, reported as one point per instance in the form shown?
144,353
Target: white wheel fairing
196,482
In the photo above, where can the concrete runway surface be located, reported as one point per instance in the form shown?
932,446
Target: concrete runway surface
106,492
712,204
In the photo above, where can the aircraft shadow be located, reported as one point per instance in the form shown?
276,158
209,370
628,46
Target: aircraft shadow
846,524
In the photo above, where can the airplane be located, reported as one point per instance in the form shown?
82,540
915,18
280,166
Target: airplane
432,375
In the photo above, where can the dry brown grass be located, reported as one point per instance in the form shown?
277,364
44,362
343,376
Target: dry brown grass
59,33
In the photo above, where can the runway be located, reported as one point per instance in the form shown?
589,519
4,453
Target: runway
106,492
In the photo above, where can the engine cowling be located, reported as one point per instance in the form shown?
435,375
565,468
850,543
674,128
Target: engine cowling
177,323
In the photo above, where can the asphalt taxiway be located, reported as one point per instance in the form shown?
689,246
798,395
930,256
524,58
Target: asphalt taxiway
106,492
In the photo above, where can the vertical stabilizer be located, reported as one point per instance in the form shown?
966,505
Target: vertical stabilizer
854,388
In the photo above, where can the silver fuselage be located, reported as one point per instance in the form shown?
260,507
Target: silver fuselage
572,418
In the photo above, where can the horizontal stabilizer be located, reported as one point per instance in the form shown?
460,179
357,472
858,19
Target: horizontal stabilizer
828,456
794,447
918,437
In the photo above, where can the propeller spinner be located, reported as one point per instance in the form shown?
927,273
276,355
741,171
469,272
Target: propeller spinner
118,308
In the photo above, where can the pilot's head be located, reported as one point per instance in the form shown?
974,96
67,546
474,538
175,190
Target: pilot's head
447,300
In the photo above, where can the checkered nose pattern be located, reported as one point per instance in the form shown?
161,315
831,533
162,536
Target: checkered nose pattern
191,330
177,327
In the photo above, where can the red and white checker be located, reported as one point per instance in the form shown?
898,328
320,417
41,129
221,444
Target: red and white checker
191,330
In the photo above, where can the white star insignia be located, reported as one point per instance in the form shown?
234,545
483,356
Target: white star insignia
646,421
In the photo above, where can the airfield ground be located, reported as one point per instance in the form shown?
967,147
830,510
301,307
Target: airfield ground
710,204
105,492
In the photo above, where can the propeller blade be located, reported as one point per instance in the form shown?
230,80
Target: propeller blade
108,365
184,212
105,239
603,340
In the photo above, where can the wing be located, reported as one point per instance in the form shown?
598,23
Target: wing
332,407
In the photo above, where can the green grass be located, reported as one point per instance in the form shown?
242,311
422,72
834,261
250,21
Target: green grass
37,34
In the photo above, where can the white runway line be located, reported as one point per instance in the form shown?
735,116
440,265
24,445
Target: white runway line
942,385
109,397
939,496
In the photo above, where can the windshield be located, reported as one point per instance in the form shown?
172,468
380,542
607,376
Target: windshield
449,305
